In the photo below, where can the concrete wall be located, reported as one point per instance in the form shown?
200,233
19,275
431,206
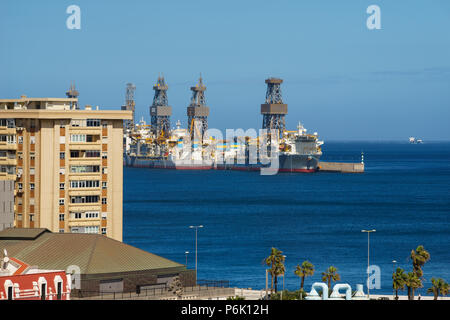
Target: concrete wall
341,167
6,204
90,284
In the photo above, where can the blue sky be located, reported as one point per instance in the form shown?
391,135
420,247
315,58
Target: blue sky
340,79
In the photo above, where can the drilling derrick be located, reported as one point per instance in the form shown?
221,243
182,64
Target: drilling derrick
197,111
160,112
274,110
73,93
129,105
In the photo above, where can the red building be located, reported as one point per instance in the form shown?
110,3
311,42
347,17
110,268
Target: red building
19,281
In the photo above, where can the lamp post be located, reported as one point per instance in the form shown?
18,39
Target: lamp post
196,229
368,258
186,253
393,273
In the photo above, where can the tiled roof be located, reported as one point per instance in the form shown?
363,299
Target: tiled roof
92,253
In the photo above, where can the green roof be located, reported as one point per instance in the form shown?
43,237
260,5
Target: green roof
93,253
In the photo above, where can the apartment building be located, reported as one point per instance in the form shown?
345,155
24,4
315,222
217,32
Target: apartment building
67,164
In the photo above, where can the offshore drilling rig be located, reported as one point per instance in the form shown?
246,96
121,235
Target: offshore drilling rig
73,93
160,111
274,110
198,112
129,105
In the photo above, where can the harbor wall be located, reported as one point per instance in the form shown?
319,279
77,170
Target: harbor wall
341,167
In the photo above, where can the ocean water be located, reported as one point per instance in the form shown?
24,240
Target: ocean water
404,194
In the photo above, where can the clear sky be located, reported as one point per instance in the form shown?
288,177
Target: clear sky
340,78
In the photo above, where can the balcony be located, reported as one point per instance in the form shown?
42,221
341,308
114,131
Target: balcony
8,146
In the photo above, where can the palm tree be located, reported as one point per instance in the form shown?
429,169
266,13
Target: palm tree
330,275
279,270
419,257
412,282
439,287
398,281
274,261
303,271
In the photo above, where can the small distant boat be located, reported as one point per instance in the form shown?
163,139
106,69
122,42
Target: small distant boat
413,140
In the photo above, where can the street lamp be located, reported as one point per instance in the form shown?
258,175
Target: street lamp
186,253
393,274
196,229
368,258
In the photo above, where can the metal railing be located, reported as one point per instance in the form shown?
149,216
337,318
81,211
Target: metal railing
156,291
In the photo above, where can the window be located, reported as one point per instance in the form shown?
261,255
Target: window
84,199
105,170
61,217
104,185
104,201
20,185
92,154
93,123
84,184
61,201
31,217
103,230
90,215
78,138
77,215
31,186
61,186
11,123
31,201
104,155
105,125
78,123
32,140
91,229
84,169
62,139
62,155
92,138
61,230
32,171
32,156
20,139
74,153
62,170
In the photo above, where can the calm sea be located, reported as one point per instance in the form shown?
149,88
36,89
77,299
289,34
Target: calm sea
404,194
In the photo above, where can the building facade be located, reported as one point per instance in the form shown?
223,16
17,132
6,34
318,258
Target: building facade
67,164
6,202
19,281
